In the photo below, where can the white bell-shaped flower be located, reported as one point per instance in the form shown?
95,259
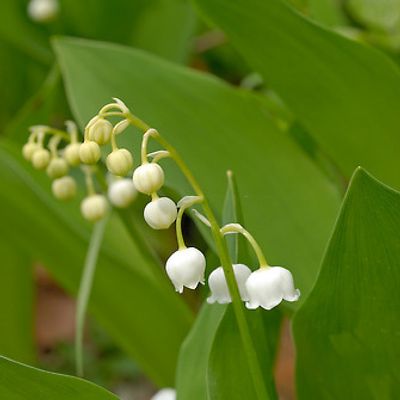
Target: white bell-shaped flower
148,178
219,287
160,213
186,268
122,192
165,394
268,286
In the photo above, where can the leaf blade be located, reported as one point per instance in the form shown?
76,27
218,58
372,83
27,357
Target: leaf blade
341,91
19,382
350,316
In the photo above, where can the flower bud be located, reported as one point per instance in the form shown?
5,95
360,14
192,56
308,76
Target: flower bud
28,149
42,10
64,188
94,207
186,268
71,154
268,286
41,158
160,213
119,162
148,178
57,168
165,394
89,152
219,287
99,131
122,192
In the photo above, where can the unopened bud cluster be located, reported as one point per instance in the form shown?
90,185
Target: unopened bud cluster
58,152
266,287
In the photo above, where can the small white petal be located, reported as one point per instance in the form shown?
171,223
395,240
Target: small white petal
267,287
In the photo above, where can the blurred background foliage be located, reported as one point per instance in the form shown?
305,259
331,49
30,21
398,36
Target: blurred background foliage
258,89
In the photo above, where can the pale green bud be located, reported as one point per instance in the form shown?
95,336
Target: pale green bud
99,131
89,152
57,168
119,162
148,178
28,149
41,158
64,188
71,154
94,207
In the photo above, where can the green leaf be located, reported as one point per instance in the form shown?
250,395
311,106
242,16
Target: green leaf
21,382
347,331
164,27
16,322
229,376
18,31
191,378
342,92
142,313
214,126
175,22
327,12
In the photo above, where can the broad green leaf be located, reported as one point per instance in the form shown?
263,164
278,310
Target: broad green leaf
344,93
166,28
327,12
347,332
47,104
22,382
191,379
229,375
16,289
18,31
286,199
140,312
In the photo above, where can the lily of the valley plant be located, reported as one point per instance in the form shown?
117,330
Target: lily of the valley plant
57,152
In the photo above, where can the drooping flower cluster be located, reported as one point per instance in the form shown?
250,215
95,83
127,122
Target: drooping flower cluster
266,287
